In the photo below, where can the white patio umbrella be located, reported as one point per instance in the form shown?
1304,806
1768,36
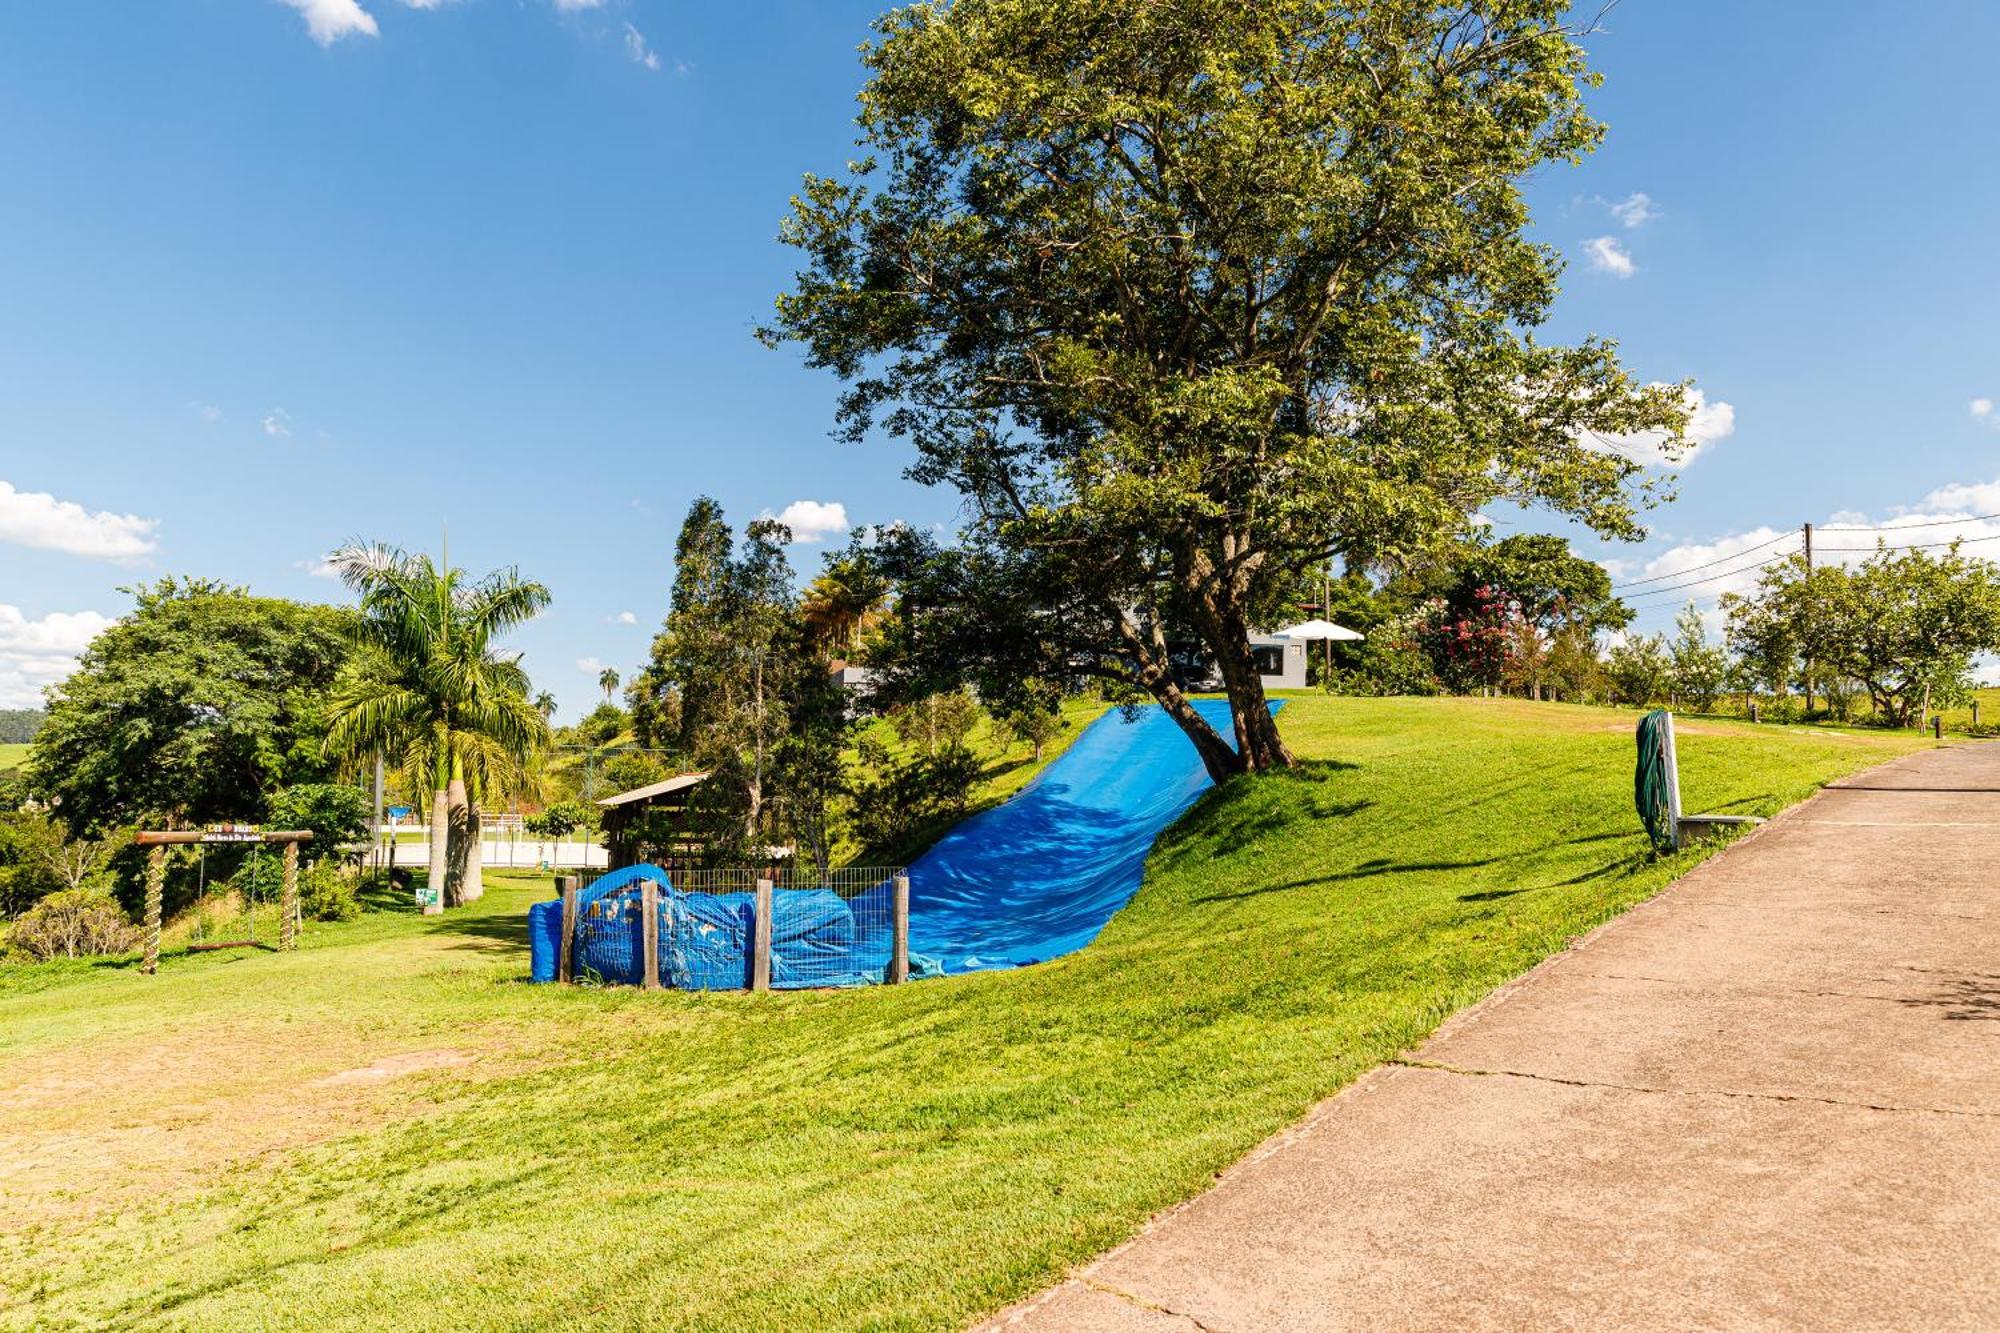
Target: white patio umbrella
1322,629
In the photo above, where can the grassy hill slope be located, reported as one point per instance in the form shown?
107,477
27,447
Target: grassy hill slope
390,1130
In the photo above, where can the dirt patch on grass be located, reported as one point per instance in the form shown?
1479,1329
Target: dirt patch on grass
87,1131
395,1066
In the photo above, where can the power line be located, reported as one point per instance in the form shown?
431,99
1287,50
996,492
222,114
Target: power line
1895,527
1721,559
1711,578
1916,546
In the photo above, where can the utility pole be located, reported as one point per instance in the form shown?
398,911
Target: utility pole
1808,643
375,829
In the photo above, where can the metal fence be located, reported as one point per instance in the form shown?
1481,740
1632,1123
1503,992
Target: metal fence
771,928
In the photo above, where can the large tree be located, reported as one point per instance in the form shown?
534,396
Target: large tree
437,694
716,687
196,707
1906,625
1185,295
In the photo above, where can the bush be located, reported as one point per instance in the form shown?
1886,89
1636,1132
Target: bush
335,812
326,893
73,923
897,804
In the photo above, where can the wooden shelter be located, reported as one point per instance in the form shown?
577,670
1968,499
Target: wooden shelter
652,821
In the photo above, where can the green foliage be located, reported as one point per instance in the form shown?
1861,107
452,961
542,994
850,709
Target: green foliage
561,819
30,851
601,725
1038,720
1183,298
897,804
19,725
335,812
726,675
1697,670
1640,669
196,707
630,769
326,893
1543,581
1905,626
72,923
937,722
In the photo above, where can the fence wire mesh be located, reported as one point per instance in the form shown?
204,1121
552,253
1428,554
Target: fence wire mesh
826,930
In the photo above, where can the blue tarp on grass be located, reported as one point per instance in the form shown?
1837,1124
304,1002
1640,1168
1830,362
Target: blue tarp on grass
1038,876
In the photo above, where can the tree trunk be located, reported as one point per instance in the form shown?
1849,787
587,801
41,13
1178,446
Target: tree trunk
1154,677
473,887
1257,739
454,870
440,849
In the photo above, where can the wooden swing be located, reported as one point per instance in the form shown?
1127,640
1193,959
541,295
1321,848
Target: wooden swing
157,843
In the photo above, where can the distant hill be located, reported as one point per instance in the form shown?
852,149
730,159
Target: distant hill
19,725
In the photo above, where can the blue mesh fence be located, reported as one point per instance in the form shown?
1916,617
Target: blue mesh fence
827,930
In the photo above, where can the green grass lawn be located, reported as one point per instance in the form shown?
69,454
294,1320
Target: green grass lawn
13,756
390,1129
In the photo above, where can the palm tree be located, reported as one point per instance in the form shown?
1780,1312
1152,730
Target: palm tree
607,680
545,704
439,694
843,604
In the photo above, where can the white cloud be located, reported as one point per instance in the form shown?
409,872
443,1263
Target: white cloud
278,423
322,568
35,653
589,666
637,48
625,618
577,6
1634,210
1607,255
38,519
812,520
327,21
206,411
1707,423
1982,410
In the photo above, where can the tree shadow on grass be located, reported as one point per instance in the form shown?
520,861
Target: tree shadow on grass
1384,866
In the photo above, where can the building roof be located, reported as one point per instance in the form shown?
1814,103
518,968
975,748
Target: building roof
645,793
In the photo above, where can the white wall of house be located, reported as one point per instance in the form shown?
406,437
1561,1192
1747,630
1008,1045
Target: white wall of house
1288,656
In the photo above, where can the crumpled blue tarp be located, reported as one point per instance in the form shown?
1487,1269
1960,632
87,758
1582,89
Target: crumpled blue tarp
706,938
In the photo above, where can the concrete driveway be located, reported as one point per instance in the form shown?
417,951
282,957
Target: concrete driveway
1769,1098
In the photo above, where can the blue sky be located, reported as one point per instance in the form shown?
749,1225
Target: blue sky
279,273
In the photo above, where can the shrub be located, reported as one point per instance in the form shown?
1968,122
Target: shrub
326,893
335,812
895,805
73,923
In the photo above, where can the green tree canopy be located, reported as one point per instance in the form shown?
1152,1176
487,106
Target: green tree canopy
1186,296
1904,624
194,708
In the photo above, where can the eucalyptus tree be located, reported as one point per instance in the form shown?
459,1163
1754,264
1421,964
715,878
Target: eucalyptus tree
1186,295
434,691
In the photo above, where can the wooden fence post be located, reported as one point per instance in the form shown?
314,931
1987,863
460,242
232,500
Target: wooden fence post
565,959
649,929
760,961
1937,725
1975,712
288,901
156,875
899,957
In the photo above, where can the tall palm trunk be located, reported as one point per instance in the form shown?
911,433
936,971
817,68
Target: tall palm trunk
474,885
440,832
454,870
